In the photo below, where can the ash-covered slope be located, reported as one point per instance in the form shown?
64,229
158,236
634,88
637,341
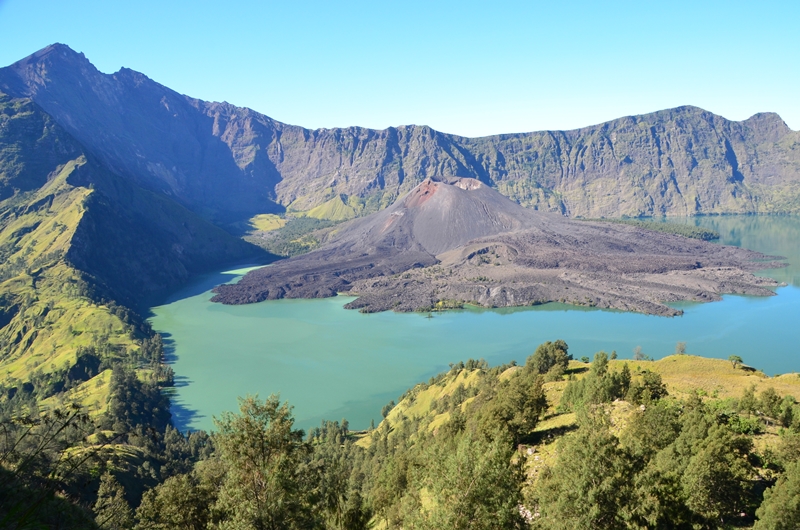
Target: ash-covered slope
458,241
433,218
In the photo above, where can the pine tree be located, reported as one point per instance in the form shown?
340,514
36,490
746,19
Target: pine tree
112,511
781,507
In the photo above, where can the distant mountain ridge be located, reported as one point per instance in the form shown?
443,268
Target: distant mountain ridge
226,163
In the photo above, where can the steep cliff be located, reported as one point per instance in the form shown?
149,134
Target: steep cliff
227,163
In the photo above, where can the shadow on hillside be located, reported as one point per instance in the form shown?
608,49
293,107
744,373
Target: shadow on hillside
576,371
547,435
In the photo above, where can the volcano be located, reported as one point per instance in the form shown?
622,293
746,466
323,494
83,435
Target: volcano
457,241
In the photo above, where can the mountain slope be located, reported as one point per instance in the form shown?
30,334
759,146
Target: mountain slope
228,163
458,241
76,241
142,131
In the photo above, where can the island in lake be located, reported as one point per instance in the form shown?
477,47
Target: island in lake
454,241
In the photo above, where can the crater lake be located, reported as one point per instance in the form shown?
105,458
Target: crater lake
332,363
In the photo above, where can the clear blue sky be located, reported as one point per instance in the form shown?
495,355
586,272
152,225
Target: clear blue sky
471,68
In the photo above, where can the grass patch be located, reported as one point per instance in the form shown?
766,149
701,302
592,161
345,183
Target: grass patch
339,208
297,236
714,378
267,222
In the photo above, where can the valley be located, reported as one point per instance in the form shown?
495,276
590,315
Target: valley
129,327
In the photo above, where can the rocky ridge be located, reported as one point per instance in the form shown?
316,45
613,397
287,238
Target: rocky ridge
227,163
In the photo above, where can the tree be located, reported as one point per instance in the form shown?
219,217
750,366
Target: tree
547,356
267,486
653,429
37,464
747,403
473,484
650,387
638,354
781,507
112,511
735,361
182,501
135,403
769,403
599,386
387,408
590,486
716,481
680,348
517,406
625,379
787,411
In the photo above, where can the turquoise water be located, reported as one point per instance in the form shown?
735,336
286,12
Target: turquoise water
333,363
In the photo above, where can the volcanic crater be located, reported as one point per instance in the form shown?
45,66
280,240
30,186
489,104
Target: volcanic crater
457,241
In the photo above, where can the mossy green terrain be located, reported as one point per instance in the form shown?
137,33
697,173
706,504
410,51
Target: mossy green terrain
46,309
339,208
49,310
296,235
79,248
266,222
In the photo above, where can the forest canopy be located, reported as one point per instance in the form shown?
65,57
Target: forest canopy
555,443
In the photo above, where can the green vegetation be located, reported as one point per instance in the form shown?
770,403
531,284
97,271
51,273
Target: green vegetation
555,443
266,222
339,208
86,439
297,236
51,309
694,232
79,248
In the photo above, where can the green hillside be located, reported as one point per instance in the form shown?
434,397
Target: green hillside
80,249
684,442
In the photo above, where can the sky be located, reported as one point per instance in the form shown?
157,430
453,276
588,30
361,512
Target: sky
462,67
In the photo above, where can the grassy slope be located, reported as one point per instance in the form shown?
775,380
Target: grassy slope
53,314
683,375
266,222
336,209
73,235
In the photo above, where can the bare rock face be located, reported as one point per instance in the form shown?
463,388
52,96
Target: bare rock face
455,241
227,163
